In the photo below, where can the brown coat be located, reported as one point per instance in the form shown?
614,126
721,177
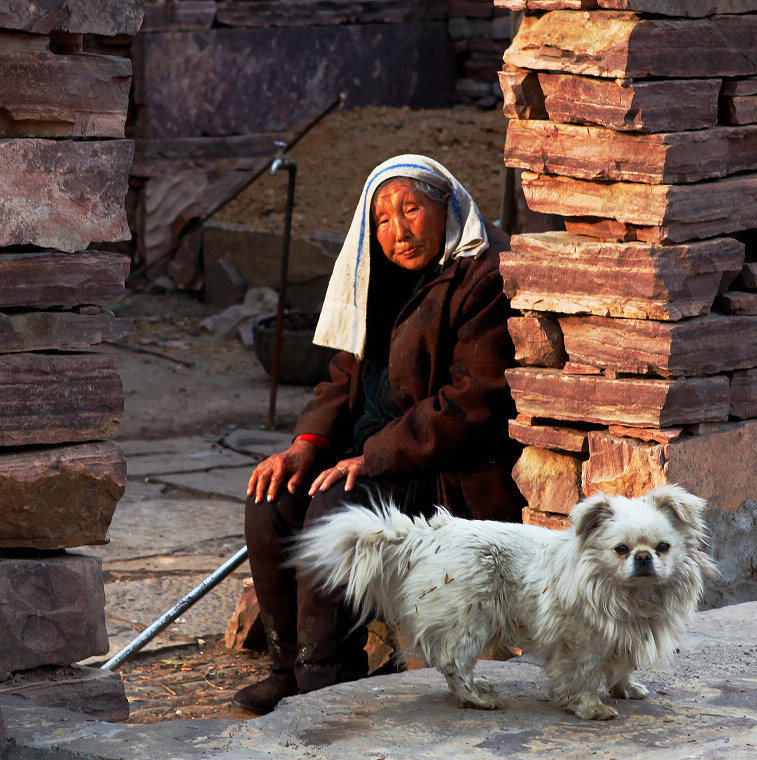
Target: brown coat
449,351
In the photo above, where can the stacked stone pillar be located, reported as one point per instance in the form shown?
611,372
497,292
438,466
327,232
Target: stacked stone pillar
64,167
635,120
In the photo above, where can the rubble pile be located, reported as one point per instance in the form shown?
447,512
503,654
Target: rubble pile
64,172
635,121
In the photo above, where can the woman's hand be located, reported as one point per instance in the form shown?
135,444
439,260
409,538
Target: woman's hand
351,469
270,473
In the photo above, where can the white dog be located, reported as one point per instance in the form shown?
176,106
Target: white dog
601,599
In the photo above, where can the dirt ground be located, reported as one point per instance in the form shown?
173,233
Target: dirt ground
335,157
190,682
180,380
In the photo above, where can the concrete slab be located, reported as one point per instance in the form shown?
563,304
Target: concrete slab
703,705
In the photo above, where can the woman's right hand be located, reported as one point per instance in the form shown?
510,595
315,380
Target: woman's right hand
270,473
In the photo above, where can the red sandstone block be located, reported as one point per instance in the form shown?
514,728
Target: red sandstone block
56,330
53,279
627,46
549,480
59,398
63,194
744,394
637,402
666,105
569,274
52,611
80,95
598,154
545,519
736,302
523,96
700,346
60,497
75,16
679,212
538,341
553,437
696,462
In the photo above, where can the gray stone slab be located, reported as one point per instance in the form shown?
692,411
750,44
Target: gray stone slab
200,457
229,482
149,523
703,705
256,442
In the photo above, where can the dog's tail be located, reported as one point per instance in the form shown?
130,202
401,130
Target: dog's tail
365,552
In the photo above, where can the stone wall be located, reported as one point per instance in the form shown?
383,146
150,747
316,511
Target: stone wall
638,334
63,179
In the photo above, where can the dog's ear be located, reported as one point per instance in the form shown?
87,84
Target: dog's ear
590,513
678,503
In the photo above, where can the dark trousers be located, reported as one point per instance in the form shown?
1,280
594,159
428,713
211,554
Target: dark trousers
309,632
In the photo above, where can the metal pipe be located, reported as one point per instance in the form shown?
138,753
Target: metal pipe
168,617
291,166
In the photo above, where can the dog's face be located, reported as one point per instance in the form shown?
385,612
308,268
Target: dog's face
643,540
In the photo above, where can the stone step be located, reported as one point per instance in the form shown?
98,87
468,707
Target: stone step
76,688
701,346
620,45
638,402
59,398
62,497
53,279
598,154
557,271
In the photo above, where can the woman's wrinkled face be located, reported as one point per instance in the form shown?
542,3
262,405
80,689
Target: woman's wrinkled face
409,226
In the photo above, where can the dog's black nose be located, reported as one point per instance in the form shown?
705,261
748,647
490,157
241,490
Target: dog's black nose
642,563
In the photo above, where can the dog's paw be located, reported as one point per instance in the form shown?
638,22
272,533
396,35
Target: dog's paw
482,701
629,690
483,685
591,709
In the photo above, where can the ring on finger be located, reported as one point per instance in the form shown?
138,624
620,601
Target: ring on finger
344,472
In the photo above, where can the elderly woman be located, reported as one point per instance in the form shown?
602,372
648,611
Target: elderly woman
417,405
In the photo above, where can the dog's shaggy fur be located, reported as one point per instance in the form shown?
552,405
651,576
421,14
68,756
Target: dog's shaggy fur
603,598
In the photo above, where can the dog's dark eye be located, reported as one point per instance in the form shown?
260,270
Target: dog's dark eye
622,550
662,547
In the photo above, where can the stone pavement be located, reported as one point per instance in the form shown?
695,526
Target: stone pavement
703,706
181,517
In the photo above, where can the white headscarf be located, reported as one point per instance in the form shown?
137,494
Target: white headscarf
342,321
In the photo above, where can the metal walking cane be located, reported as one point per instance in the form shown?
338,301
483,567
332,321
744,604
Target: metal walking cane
169,616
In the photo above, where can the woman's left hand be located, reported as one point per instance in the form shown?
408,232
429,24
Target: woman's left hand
351,469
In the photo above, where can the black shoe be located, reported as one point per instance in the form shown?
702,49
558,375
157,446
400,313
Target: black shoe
261,697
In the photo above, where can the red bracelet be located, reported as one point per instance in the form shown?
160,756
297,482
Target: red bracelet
316,440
